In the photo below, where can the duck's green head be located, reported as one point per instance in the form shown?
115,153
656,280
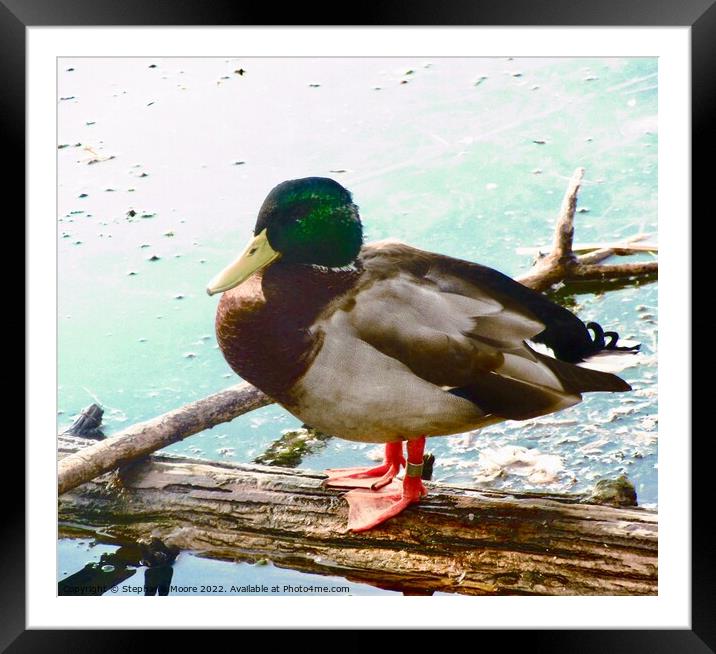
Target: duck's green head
311,221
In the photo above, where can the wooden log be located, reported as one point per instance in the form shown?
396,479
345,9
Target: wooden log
456,540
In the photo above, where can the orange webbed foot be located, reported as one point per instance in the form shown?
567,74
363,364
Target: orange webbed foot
368,509
369,478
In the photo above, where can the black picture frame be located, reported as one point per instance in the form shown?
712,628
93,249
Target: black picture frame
700,15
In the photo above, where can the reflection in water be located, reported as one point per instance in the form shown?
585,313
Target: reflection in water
98,578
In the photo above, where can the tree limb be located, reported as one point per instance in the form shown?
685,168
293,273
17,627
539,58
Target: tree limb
564,229
146,437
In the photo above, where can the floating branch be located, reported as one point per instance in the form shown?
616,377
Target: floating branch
623,248
561,264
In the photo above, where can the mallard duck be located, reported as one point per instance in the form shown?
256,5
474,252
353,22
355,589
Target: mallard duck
386,343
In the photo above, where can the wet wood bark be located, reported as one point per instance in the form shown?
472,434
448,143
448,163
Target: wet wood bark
457,540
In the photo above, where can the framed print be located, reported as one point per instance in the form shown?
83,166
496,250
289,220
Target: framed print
455,226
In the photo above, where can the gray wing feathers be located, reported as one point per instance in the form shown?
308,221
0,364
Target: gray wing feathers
453,333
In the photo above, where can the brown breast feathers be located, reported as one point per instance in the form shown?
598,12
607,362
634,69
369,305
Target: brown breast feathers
263,326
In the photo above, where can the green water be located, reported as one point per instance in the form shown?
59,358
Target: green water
470,158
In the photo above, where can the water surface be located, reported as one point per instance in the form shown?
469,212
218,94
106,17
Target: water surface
163,164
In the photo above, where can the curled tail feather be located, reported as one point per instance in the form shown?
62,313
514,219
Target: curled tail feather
600,340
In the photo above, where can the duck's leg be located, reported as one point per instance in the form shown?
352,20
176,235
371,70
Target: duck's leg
369,509
371,478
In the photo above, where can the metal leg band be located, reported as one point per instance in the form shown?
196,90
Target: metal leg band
414,469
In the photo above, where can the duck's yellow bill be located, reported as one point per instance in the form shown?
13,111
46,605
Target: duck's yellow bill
257,255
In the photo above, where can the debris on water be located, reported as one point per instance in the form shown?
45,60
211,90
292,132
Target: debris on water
132,273
91,122
64,145
537,171
95,160
539,141
178,296
536,467
154,257
480,80
152,66
189,355
142,340
314,85
591,78
403,81
240,71
143,174
110,190
169,233
583,210
517,73
615,492
338,170
149,104
82,195
238,163
534,88
148,215
294,444
68,97
144,245
131,213
69,70
410,71
77,243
